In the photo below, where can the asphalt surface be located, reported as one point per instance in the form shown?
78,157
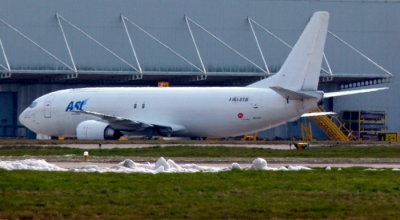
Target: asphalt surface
109,146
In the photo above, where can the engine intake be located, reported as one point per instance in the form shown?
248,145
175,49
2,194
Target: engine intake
96,130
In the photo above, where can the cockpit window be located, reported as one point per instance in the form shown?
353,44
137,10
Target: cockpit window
33,105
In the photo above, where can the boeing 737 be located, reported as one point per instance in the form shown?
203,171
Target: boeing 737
109,113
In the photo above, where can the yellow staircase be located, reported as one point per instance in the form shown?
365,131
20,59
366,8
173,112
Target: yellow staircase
332,127
306,131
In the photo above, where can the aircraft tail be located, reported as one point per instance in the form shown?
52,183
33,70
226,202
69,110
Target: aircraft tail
301,70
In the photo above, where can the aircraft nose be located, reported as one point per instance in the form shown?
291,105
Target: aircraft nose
25,117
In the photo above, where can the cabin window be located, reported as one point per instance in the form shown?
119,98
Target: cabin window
33,105
143,105
135,105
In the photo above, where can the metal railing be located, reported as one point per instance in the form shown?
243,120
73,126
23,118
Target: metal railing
333,127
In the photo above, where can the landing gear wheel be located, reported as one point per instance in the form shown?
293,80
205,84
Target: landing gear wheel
150,134
197,138
166,132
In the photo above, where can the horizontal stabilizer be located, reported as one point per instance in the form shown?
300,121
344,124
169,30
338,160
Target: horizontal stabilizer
352,92
296,95
315,114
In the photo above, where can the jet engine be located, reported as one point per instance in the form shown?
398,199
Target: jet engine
96,130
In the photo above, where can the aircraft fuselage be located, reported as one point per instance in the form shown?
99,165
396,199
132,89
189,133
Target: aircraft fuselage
200,112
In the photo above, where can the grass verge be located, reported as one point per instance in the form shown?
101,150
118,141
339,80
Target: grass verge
351,193
213,152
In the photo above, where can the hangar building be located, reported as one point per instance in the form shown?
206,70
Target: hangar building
50,45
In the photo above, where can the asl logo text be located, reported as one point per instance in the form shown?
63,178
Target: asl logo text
76,105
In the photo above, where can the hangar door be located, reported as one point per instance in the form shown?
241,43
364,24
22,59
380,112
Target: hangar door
8,114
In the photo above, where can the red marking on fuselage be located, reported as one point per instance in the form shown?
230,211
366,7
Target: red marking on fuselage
240,115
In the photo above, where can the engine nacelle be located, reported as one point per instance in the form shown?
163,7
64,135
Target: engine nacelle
96,130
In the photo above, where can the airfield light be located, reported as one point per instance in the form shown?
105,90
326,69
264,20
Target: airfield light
85,156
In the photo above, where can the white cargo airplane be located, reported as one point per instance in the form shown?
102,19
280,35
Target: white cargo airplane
108,113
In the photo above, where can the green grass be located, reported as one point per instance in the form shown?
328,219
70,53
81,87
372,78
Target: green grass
351,193
190,151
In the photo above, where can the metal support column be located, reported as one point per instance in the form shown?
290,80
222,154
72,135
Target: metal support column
131,44
75,75
329,71
100,44
195,44
6,74
161,43
361,54
258,46
225,44
36,44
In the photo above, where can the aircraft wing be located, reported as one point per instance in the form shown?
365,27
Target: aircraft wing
352,92
132,125
118,122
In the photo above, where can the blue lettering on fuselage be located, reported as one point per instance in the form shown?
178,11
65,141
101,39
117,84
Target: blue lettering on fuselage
76,105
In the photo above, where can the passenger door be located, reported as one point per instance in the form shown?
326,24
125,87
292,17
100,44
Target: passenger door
47,106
